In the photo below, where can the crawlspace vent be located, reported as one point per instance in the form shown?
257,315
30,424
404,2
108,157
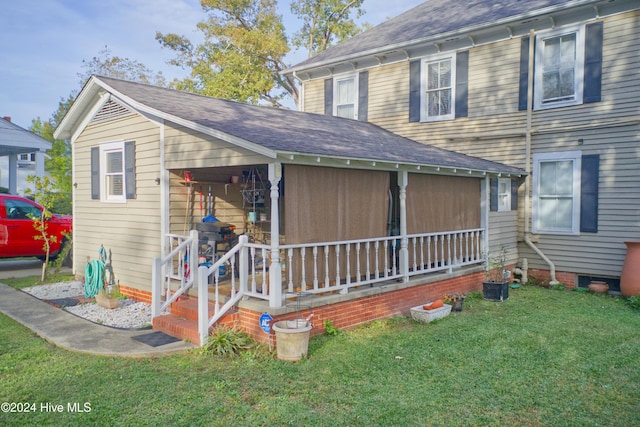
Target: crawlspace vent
111,111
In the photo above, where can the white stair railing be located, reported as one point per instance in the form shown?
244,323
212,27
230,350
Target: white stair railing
180,267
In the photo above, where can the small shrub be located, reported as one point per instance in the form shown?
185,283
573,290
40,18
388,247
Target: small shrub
330,329
634,302
580,290
227,342
534,281
475,295
558,287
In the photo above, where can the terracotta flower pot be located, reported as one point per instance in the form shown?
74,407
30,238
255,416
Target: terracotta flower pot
598,287
630,278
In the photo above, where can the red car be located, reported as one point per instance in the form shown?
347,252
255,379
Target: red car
17,232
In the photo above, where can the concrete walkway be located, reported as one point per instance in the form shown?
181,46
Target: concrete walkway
74,333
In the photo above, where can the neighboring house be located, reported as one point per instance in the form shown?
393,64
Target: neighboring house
549,86
21,154
362,217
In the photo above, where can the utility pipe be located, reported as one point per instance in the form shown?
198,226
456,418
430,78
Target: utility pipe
527,181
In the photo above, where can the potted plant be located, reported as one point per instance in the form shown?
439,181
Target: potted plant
109,297
455,300
496,287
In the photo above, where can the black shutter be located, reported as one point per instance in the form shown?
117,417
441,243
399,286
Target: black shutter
524,74
414,91
589,177
328,97
130,169
95,173
462,84
593,63
514,194
363,96
493,194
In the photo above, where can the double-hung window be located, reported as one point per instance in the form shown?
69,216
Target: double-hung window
113,176
556,192
438,101
559,71
504,195
346,96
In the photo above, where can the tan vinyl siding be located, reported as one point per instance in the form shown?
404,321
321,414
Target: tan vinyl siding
185,149
495,130
618,208
130,232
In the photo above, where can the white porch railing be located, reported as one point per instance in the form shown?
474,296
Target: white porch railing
315,267
179,267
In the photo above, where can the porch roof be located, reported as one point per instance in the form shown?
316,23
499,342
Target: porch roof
269,131
16,140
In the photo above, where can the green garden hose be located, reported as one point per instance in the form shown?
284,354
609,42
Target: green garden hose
94,275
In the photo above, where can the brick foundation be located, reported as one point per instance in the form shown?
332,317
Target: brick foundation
351,313
569,280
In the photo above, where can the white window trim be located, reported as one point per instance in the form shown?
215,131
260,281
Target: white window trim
424,84
104,193
507,207
356,83
576,157
579,70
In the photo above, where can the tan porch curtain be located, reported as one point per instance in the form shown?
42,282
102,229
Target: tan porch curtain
327,204
331,204
442,203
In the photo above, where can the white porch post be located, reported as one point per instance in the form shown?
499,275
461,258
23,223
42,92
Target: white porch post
13,173
403,179
275,270
484,217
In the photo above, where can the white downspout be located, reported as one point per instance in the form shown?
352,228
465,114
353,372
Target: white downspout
527,181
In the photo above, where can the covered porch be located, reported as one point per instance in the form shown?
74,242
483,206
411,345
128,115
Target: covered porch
345,229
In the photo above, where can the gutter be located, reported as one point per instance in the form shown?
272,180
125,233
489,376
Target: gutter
527,181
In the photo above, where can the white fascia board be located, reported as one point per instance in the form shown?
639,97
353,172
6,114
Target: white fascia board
362,163
85,98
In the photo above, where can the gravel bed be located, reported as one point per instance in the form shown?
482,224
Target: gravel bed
129,314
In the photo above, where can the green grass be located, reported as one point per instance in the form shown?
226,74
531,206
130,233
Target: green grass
541,358
26,282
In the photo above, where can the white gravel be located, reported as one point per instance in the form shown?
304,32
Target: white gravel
129,314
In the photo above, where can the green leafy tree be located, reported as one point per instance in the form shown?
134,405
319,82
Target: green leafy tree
242,53
58,160
45,197
245,44
325,23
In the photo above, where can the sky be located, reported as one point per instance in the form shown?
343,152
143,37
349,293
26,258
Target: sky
45,41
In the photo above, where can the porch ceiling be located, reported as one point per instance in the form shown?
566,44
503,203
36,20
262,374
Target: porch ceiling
290,136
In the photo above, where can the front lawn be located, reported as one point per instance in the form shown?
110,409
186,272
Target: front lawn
544,357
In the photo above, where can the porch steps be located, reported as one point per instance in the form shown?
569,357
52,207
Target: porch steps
182,322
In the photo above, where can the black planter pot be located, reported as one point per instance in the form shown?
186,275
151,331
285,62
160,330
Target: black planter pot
495,291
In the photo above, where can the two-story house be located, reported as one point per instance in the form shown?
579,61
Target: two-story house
549,86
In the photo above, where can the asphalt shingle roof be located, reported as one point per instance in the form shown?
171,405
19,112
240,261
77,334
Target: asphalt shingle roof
287,131
431,18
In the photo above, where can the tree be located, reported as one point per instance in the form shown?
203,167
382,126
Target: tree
241,56
120,68
58,160
325,23
245,44
45,197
